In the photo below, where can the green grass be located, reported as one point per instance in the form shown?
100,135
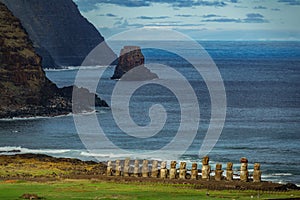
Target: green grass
85,189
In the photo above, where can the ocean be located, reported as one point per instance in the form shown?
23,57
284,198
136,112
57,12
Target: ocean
262,85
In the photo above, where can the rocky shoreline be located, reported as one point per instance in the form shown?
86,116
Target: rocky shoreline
39,167
24,88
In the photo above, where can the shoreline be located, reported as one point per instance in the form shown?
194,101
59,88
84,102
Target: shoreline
43,168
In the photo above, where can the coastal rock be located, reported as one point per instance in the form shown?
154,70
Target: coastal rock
24,89
130,58
60,34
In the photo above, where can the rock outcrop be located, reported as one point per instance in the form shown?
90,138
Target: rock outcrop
25,91
131,57
60,34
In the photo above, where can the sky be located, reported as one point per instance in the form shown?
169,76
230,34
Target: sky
199,19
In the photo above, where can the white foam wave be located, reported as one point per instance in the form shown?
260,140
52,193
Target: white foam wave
282,174
72,68
19,150
33,118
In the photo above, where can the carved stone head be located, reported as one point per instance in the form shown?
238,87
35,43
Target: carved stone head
229,166
194,166
256,166
173,164
244,166
163,165
218,166
117,162
154,164
127,162
136,163
145,162
205,160
182,165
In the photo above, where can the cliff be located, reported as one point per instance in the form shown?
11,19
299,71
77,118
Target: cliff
131,57
25,91
60,34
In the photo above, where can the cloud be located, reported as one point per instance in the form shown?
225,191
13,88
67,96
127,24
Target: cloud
222,20
260,7
210,15
110,15
290,2
184,3
251,18
185,15
124,24
150,18
254,15
233,1
170,24
255,18
87,5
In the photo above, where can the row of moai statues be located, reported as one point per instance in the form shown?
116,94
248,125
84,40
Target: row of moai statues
163,172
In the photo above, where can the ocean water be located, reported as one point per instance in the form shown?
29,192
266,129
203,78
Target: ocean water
262,84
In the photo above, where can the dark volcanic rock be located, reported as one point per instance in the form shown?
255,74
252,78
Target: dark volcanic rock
131,58
25,91
60,34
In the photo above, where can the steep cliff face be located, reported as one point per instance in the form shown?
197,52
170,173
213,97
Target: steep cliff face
60,34
24,89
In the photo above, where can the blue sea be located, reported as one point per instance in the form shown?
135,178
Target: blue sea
262,84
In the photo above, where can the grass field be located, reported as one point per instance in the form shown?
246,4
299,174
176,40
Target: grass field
87,189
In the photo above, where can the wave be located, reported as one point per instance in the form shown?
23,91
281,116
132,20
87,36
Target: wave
73,68
34,118
18,150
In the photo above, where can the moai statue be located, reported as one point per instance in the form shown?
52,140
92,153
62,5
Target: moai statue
173,170
194,172
205,168
136,169
256,173
218,172
126,167
182,170
163,170
118,168
244,174
154,171
109,169
229,172
145,168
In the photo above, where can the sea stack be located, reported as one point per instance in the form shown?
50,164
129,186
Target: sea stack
130,58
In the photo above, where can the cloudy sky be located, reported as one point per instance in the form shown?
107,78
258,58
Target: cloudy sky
200,19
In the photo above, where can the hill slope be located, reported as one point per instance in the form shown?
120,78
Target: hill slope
60,34
25,91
